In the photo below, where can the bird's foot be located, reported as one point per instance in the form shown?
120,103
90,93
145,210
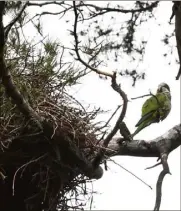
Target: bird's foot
122,141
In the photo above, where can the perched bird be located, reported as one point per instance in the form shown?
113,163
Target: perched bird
156,108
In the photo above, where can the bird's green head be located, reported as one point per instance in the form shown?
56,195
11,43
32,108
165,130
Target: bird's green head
163,87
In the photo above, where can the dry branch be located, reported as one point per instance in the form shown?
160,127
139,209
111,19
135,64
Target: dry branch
165,171
114,85
46,3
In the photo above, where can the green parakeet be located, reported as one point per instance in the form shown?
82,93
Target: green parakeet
156,108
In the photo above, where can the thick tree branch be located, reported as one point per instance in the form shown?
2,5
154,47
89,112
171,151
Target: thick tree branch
151,148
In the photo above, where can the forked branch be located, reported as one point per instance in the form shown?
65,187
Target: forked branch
114,85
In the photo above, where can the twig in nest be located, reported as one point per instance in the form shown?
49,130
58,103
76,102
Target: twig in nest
2,176
114,85
165,171
105,125
23,166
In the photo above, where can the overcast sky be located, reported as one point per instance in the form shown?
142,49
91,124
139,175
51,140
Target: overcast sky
117,189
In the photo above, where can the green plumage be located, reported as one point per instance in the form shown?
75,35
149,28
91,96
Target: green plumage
155,109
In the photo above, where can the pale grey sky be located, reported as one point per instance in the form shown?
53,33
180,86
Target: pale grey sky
117,189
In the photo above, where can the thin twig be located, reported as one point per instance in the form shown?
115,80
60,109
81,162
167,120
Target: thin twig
77,48
147,95
106,124
131,173
134,98
45,3
157,164
23,166
9,26
109,9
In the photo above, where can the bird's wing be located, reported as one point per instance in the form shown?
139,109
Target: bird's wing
143,124
145,117
149,108
154,109
152,104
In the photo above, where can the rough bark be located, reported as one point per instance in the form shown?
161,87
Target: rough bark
159,147
151,148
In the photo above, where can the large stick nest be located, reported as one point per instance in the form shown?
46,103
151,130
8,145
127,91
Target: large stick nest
43,166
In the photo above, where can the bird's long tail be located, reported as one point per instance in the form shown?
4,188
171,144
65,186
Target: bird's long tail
143,122
144,118
143,125
138,130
